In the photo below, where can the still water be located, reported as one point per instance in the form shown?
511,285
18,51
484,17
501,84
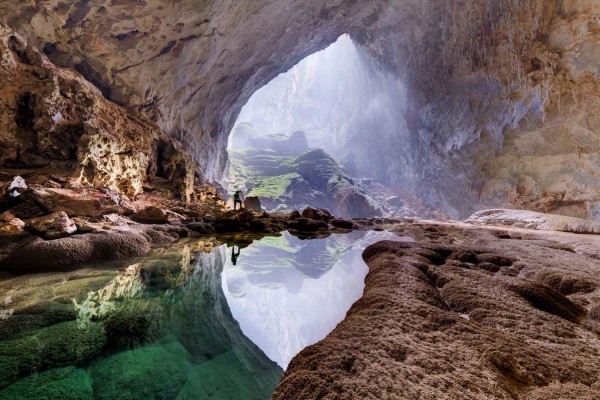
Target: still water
217,317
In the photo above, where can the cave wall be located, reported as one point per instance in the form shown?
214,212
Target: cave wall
55,120
497,89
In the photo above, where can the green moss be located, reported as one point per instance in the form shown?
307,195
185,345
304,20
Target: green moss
227,377
273,187
153,372
68,383
58,345
30,319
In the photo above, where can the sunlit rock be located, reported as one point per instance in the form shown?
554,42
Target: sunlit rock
14,187
53,226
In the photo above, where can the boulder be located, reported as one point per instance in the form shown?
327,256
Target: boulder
343,223
65,253
151,215
13,227
394,201
252,203
317,214
14,187
308,225
53,226
295,215
31,203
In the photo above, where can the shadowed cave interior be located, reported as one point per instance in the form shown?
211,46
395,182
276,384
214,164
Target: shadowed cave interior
419,199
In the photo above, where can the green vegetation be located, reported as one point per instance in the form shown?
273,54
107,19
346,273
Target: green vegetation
273,187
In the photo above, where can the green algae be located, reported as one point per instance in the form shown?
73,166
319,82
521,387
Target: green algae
151,372
227,377
55,346
67,383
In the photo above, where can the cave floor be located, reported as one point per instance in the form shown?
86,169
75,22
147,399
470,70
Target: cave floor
469,312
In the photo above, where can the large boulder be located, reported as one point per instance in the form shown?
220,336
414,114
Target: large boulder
51,255
14,187
53,226
151,215
317,213
156,215
252,203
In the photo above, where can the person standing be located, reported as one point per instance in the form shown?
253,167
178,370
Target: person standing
237,199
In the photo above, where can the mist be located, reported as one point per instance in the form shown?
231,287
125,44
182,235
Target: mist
344,104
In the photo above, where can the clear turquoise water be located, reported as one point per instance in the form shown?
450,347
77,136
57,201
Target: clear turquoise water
183,323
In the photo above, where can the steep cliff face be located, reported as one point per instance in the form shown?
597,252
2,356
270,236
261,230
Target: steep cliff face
53,118
496,90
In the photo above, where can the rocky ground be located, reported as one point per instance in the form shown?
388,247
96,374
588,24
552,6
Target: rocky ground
46,228
464,312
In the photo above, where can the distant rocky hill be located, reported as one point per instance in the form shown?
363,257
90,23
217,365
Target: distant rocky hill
286,174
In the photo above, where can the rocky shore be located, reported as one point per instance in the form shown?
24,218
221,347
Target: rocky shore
45,229
464,312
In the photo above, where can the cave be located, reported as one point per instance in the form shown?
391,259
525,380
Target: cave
314,135
425,171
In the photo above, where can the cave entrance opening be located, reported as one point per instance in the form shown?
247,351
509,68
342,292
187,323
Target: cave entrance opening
314,136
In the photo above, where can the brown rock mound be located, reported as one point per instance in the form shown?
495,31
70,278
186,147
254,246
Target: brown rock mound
64,253
435,323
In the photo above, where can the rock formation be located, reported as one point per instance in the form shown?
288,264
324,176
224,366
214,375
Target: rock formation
487,84
287,175
53,118
495,90
482,318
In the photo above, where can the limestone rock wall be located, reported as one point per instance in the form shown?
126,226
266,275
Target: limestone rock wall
53,118
497,89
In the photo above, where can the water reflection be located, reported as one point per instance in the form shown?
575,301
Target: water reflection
193,320
287,293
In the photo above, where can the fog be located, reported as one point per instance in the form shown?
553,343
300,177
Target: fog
345,105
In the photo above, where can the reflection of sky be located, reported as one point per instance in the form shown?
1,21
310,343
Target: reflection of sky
288,293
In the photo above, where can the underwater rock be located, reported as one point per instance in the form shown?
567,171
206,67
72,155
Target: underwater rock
55,346
69,383
151,372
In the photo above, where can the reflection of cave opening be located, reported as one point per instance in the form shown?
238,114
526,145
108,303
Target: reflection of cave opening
336,100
